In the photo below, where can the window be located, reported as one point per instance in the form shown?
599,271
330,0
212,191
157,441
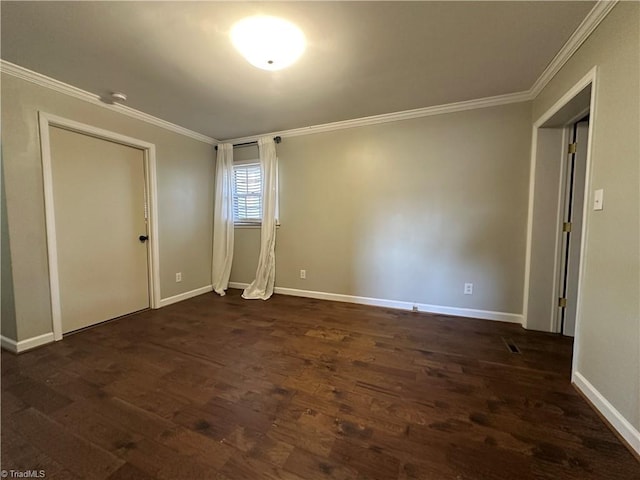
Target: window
247,197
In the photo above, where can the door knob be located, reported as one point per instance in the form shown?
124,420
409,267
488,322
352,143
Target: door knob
143,238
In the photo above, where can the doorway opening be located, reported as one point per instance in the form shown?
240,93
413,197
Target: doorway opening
558,200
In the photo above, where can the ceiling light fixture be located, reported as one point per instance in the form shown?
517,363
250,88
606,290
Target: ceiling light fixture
269,43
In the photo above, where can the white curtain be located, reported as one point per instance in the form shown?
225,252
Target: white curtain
223,220
262,286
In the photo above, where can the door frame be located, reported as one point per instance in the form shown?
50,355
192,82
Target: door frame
589,79
46,121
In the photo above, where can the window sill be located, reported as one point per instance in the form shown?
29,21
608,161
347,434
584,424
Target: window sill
251,225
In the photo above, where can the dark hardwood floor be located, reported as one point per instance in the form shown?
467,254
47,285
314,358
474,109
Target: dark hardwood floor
293,388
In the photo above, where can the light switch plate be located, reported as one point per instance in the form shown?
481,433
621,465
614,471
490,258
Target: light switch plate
598,199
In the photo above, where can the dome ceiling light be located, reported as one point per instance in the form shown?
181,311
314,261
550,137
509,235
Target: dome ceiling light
269,43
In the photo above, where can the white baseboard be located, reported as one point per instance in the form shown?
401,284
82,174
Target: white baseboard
186,295
613,416
8,344
24,345
380,302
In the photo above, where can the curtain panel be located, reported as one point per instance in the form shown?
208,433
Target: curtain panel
262,286
223,220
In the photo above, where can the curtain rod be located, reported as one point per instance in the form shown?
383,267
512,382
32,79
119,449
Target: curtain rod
255,142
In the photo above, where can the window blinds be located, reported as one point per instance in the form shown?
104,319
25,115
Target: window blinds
247,201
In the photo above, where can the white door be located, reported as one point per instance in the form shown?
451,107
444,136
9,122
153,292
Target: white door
99,206
574,205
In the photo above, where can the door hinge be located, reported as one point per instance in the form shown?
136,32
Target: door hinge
562,302
566,227
572,148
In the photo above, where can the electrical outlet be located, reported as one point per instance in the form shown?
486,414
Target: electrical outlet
303,274
178,277
468,288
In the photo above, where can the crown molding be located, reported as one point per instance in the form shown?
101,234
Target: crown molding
600,10
396,116
61,87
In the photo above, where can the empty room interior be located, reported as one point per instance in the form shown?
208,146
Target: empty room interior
320,240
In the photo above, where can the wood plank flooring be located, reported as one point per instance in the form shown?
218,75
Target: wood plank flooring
292,388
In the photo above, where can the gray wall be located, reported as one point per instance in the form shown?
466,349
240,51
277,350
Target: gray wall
405,211
8,310
608,336
185,197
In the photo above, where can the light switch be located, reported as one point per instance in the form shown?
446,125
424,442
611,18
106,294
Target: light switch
598,199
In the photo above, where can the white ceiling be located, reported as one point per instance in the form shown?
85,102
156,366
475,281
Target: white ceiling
175,61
